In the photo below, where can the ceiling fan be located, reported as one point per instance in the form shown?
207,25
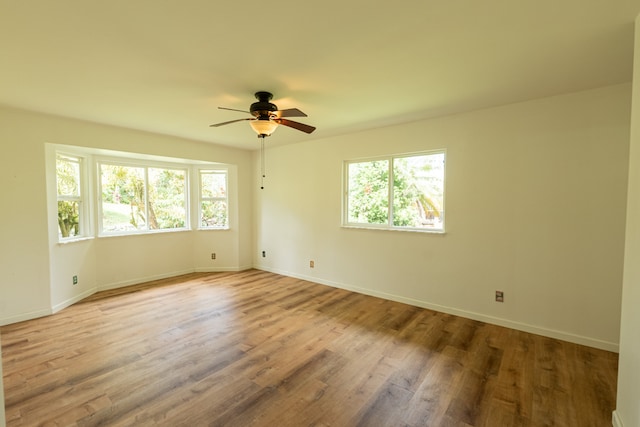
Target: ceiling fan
267,117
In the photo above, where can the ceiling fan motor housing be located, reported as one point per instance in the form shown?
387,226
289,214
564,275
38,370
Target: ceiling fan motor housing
267,117
263,108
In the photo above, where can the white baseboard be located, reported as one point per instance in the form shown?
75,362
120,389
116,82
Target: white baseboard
115,285
108,286
221,269
551,333
144,279
615,420
565,336
56,308
25,316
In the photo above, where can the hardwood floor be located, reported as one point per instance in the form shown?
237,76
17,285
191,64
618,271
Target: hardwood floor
258,349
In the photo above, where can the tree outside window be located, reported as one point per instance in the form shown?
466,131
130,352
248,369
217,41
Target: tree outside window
369,192
214,210
403,192
139,198
68,178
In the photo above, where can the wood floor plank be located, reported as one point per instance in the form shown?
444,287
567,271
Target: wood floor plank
254,348
431,400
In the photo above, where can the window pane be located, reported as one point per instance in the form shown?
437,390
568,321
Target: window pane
418,191
213,199
213,184
68,176
68,218
123,198
167,198
214,214
69,197
368,192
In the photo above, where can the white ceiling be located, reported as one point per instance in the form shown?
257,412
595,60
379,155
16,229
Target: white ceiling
165,66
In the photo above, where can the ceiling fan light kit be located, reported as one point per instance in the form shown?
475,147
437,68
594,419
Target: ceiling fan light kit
267,117
263,127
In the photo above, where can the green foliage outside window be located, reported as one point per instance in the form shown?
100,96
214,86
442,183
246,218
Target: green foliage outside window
68,219
214,214
167,198
418,187
136,196
213,199
141,198
369,192
416,198
68,190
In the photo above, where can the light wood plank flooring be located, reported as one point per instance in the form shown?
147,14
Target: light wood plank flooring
258,349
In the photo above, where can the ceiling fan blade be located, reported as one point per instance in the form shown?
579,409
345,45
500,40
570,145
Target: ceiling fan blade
295,125
231,121
233,109
290,112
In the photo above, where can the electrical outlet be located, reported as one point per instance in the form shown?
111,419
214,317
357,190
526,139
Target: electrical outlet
213,255
264,254
75,280
499,296
312,264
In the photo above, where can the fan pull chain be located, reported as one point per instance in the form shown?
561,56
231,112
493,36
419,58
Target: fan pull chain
262,163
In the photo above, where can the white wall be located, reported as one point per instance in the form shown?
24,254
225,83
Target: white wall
24,236
535,207
627,413
36,271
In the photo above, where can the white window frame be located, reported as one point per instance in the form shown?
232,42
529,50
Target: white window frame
389,224
146,165
84,225
91,193
201,198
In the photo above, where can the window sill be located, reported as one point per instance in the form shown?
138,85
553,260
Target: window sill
75,240
143,233
402,230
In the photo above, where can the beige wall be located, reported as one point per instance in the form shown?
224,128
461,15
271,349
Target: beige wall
628,405
535,207
36,271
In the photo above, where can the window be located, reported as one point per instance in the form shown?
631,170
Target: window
396,192
138,198
100,193
214,211
71,217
